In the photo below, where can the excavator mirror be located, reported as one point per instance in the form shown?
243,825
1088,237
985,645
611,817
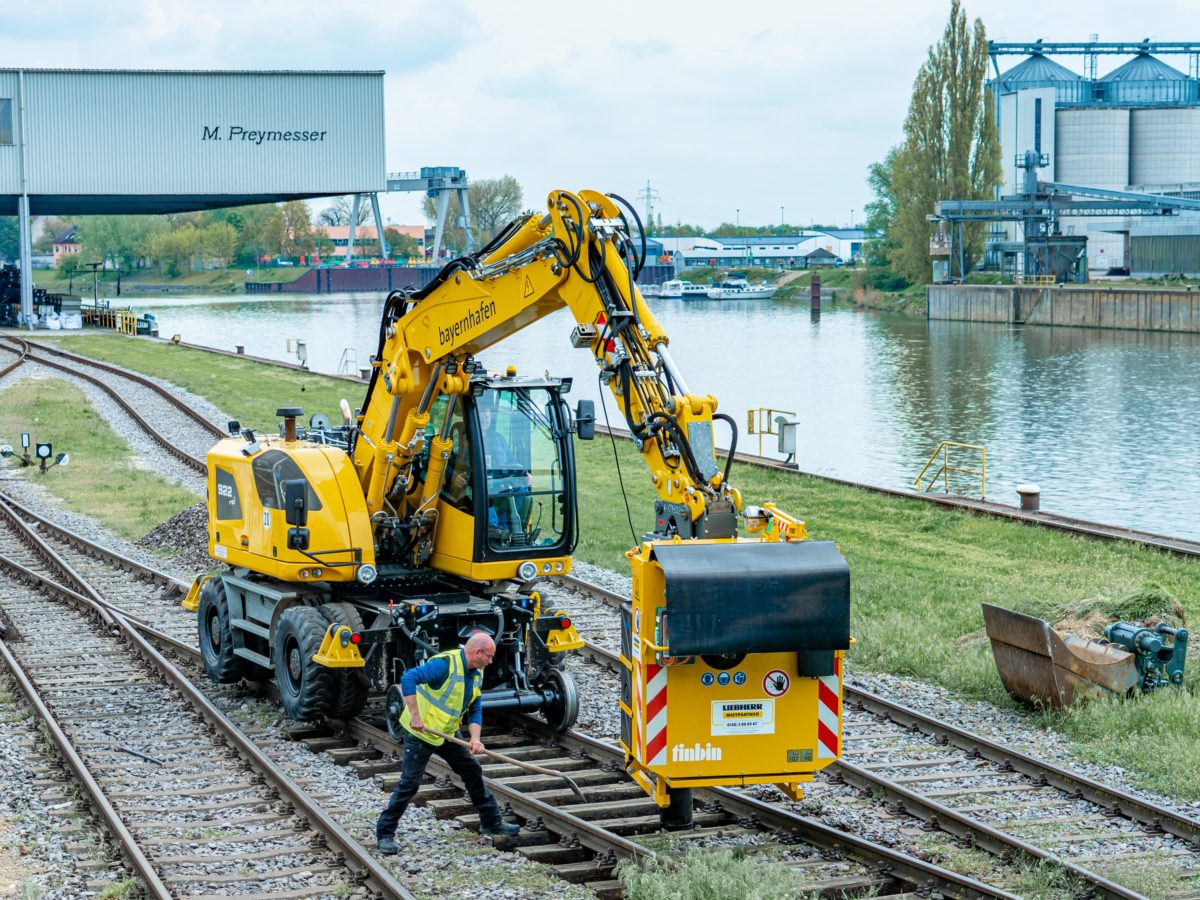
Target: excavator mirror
585,420
295,502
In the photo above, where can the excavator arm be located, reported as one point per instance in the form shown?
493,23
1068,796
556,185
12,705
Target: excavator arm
579,255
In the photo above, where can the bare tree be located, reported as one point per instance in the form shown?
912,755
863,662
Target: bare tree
338,212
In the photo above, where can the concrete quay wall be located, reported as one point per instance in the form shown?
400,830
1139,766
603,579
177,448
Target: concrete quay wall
1084,306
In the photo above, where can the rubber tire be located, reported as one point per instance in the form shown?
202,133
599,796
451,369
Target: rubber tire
561,714
393,709
349,690
305,687
216,637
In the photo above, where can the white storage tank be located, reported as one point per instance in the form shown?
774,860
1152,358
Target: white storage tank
1092,147
1165,146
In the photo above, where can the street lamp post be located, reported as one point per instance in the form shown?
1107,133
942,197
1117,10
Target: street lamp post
851,218
781,218
739,218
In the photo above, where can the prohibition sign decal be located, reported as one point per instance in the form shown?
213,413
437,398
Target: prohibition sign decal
776,683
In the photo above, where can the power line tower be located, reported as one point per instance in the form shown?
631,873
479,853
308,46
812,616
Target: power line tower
649,194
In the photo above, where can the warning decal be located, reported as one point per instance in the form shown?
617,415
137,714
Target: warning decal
743,717
776,683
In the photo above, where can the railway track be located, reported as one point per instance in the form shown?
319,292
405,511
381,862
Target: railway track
583,842
159,761
983,794
988,795
152,407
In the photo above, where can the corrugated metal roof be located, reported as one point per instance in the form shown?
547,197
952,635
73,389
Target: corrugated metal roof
1145,67
1038,69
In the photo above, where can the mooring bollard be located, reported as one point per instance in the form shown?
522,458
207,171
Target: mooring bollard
1031,497
241,349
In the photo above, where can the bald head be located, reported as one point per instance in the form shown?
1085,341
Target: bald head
479,650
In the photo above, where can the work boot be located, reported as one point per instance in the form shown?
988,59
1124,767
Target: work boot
500,828
387,846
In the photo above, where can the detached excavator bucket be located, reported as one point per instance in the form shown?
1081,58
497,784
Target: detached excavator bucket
1040,666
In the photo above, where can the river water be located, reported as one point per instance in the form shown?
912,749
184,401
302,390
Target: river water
1104,421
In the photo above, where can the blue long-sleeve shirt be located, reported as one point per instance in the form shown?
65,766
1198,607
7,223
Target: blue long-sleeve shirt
433,673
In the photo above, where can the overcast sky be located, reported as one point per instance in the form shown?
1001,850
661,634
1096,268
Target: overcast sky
721,107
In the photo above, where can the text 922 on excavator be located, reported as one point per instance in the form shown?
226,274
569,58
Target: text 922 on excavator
355,551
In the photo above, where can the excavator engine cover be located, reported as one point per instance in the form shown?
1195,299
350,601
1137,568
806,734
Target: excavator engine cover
755,597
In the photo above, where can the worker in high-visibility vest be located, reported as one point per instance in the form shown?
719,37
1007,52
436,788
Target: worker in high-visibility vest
439,695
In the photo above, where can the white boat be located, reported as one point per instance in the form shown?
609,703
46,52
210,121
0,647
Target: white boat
696,291
650,290
736,287
671,290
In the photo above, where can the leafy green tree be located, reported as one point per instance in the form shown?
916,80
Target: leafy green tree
880,212
119,241
217,242
261,233
951,150
70,266
10,240
52,227
297,232
402,245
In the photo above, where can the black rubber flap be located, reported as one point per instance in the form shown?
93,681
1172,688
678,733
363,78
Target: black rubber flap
753,597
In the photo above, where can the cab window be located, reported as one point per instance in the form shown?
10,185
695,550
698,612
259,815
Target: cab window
271,469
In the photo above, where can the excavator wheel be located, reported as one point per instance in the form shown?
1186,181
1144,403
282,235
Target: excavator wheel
393,708
216,636
349,689
305,687
562,708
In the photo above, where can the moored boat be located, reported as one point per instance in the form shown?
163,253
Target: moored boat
736,287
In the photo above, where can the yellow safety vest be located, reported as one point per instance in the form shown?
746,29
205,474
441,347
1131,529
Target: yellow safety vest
445,707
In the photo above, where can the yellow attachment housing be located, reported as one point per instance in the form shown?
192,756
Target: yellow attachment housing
192,601
338,651
561,639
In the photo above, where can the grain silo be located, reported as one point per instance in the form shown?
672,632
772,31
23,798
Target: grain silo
1135,128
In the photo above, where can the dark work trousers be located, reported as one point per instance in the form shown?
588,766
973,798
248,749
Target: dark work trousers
416,757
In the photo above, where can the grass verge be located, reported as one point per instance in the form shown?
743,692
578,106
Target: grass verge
918,572
708,874
103,478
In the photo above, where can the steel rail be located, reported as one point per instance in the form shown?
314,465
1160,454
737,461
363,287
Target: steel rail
588,834
23,346
180,454
358,859
926,876
89,546
137,377
948,819
112,819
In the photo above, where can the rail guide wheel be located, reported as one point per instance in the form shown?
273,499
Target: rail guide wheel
561,707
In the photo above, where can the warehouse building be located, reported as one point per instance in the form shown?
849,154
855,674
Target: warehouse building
123,142
1135,128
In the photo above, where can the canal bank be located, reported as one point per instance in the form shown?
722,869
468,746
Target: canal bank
1070,306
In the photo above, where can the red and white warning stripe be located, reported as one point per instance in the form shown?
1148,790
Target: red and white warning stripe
829,723
656,715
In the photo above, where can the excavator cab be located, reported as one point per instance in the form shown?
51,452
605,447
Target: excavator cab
508,489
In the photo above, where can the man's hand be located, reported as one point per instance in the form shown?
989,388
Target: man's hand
415,722
476,746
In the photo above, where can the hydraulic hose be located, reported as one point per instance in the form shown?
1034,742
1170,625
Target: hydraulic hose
732,443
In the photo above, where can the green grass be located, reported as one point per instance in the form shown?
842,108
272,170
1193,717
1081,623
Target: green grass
918,572
102,478
707,874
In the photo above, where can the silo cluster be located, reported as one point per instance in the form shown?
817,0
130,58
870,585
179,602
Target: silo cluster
1136,128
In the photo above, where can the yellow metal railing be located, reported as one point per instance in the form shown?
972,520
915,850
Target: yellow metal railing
761,421
120,320
946,468
1039,280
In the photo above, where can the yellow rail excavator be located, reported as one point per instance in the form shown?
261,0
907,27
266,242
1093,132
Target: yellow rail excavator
357,550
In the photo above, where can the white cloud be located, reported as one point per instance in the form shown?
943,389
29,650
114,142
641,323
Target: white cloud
721,106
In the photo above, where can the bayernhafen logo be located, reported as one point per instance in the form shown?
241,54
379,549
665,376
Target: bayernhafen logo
473,319
695,753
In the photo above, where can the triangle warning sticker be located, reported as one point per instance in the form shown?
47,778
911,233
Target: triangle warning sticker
528,287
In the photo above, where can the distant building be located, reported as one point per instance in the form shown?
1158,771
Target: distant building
1135,128
340,236
787,251
66,244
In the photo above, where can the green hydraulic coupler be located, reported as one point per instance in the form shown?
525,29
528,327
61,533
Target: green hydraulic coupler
1159,660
